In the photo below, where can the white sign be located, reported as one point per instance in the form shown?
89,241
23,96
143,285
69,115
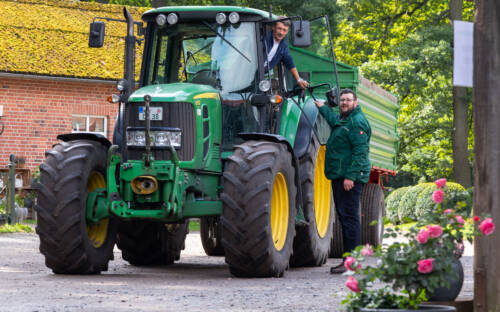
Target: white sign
463,57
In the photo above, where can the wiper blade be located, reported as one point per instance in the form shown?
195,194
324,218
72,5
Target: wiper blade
225,40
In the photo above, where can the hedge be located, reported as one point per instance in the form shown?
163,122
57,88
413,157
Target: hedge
406,207
392,203
456,197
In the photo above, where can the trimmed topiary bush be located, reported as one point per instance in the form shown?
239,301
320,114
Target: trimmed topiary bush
456,197
392,202
406,208
424,203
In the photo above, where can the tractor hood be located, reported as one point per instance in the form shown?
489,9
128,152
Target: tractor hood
175,92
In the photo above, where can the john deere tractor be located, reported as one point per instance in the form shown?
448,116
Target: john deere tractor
209,132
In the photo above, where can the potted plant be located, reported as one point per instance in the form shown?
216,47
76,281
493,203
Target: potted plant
410,270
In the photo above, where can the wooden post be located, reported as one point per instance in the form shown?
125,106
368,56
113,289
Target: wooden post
487,151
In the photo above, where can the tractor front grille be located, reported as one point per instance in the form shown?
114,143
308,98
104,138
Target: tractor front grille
175,115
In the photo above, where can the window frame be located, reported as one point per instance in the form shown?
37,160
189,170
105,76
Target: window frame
87,124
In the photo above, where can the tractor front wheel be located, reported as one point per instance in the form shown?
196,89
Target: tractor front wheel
258,218
70,243
151,243
211,236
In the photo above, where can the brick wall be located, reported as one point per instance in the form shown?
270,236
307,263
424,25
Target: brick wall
36,110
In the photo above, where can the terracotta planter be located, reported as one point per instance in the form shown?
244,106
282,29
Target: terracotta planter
426,308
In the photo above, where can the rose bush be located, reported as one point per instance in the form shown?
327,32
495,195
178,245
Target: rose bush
415,267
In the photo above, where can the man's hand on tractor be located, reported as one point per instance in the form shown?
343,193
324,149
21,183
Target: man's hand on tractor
302,83
319,103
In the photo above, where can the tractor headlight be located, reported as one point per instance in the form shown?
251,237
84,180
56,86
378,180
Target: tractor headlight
136,138
220,18
159,138
165,138
161,19
121,85
234,17
172,18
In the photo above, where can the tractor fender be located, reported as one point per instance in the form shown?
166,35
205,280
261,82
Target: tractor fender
279,139
85,136
305,128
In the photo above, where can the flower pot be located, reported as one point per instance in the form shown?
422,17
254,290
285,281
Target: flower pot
450,293
426,308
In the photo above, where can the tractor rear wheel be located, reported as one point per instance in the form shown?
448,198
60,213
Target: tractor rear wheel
311,245
258,217
211,234
151,243
71,245
372,209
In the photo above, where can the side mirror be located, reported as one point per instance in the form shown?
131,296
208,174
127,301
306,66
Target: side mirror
96,34
301,34
332,97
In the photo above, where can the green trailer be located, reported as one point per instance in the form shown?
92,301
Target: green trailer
209,133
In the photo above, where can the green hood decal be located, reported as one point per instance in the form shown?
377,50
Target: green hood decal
175,92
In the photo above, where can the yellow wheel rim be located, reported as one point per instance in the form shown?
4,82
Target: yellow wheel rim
97,232
322,194
279,211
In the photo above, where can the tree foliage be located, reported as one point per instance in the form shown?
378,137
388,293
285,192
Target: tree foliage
406,46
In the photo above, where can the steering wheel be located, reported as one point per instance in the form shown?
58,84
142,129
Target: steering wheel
205,76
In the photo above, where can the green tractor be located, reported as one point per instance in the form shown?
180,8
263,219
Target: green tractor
209,133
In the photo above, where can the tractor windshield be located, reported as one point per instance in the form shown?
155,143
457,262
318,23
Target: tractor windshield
224,57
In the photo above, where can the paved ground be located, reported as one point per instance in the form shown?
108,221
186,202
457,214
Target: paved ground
196,283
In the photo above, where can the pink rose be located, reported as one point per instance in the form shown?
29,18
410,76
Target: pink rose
447,211
440,183
487,226
423,236
460,220
425,266
367,251
348,263
476,219
352,284
438,196
435,231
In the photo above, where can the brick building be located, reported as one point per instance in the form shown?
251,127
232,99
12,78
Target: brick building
50,81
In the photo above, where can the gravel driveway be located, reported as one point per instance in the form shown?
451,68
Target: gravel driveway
195,283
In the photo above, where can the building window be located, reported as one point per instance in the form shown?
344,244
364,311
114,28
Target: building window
91,124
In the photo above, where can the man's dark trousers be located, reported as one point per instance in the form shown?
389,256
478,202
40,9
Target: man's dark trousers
347,205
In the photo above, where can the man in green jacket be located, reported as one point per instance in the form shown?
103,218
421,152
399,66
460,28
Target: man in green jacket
347,164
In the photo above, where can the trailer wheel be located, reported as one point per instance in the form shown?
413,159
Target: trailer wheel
151,243
372,209
211,233
311,245
258,217
337,244
70,244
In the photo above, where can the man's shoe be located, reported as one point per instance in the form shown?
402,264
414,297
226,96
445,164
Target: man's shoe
338,269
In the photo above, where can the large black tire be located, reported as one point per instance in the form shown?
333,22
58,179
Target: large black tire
211,236
258,217
69,244
146,243
372,209
311,245
337,244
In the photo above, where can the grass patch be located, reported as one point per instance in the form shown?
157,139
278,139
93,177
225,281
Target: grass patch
16,228
29,221
194,226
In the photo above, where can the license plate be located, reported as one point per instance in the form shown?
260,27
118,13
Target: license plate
155,113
